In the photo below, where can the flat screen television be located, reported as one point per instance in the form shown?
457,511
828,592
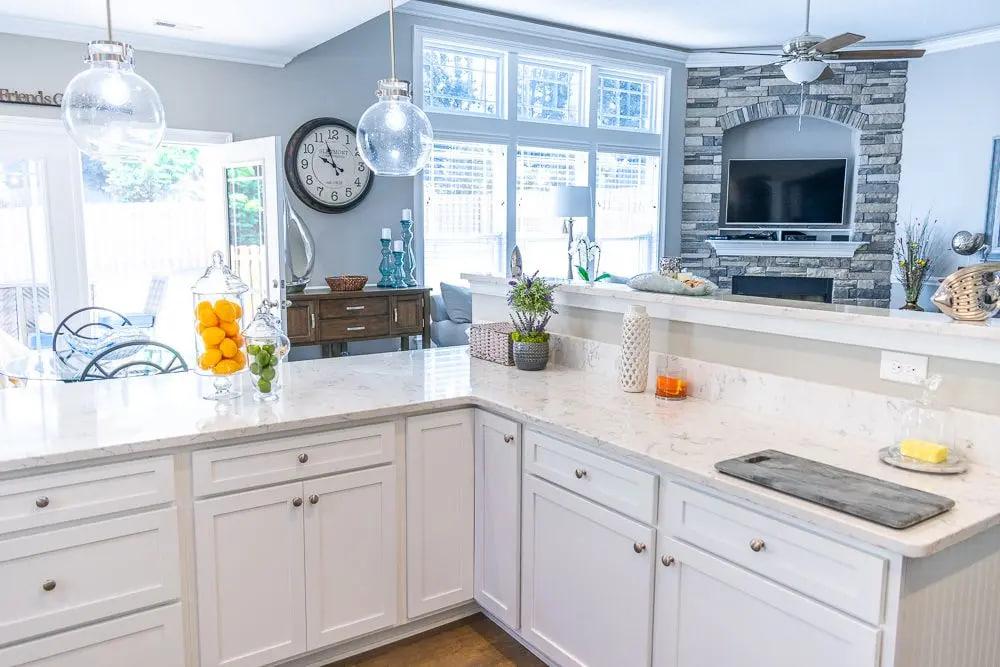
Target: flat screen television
786,192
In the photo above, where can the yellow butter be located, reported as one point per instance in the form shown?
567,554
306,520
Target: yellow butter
923,450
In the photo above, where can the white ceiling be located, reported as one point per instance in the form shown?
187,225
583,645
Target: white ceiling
712,24
272,32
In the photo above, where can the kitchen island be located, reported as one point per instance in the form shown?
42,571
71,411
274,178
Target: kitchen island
615,466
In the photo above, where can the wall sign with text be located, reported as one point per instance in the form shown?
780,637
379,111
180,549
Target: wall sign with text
38,98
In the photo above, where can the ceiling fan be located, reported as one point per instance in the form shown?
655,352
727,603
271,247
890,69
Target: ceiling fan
806,58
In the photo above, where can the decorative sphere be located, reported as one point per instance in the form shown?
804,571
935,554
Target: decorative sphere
395,137
966,243
109,110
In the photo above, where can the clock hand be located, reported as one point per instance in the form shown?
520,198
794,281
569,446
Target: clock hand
327,161
331,162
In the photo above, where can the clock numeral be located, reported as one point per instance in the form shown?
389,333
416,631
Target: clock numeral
320,191
318,136
309,179
310,149
334,196
357,182
361,167
335,135
304,163
347,140
349,193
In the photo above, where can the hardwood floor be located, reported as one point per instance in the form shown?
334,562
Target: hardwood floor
471,642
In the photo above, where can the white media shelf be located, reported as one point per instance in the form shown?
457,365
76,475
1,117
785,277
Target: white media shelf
760,248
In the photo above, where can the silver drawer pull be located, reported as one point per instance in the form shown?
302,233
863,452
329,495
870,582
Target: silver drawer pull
757,545
296,502
508,438
355,328
42,501
638,547
312,320
354,307
303,457
48,585
667,561
313,499
580,473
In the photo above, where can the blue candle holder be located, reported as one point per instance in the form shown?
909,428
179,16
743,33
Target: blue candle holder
386,267
399,280
409,258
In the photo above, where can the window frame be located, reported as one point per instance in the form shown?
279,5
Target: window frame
585,71
470,49
656,114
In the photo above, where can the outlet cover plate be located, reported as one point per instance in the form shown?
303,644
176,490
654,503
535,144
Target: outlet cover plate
904,368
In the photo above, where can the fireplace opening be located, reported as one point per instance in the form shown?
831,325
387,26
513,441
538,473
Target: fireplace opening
819,290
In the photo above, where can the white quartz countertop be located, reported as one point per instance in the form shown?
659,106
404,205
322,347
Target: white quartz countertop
49,424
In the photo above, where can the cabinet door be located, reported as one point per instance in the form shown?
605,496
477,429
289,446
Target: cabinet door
498,516
300,318
439,511
251,576
586,580
350,536
711,613
407,314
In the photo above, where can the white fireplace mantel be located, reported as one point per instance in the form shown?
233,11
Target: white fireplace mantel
752,248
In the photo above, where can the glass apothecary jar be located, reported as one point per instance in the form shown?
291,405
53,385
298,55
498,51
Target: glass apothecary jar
925,422
218,316
267,347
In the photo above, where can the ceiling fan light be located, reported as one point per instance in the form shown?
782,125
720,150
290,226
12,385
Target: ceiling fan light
803,71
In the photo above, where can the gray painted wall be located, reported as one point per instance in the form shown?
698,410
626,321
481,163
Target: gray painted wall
952,116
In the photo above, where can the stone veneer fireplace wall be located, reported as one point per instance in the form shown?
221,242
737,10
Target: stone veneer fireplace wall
868,97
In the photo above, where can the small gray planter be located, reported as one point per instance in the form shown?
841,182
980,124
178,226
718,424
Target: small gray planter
531,356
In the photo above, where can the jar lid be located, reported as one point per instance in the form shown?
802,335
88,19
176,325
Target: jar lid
264,324
219,279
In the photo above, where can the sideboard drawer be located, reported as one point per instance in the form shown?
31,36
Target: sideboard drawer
620,487
240,467
153,638
354,327
826,570
43,500
364,307
66,577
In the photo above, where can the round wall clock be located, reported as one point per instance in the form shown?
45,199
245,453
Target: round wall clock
324,168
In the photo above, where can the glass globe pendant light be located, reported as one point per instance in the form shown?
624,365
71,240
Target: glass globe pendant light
394,135
108,109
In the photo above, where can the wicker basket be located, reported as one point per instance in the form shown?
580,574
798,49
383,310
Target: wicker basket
491,341
347,283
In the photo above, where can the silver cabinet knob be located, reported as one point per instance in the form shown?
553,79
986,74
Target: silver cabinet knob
638,547
667,560
756,544
296,502
313,499
580,473
303,457
42,501
508,438
48,585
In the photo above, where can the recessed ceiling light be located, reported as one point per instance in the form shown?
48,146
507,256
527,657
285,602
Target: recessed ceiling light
172,25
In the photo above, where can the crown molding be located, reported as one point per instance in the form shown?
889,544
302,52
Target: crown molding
547,31
73,32
960,40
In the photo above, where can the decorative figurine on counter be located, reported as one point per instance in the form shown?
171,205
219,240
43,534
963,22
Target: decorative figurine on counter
386,268
399,279
516,263
409,258
971,294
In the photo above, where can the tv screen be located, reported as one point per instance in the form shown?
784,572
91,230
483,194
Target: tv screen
786,192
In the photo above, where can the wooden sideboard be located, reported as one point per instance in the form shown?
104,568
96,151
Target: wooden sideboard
333,319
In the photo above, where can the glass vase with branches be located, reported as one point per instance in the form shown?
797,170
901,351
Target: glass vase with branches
914,250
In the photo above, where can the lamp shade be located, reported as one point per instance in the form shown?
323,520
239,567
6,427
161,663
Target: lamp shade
803,71
571,201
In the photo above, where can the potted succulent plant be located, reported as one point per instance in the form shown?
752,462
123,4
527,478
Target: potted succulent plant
530,300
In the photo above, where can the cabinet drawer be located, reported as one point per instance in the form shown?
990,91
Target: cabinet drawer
54,580
152,638
354,327
273,461
43,500
834,573
339,308
620,487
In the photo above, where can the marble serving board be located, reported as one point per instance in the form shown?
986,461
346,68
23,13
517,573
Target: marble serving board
877,500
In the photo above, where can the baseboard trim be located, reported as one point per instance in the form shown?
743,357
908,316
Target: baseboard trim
388,636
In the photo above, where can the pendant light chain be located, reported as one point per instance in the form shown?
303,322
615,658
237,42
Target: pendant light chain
392,39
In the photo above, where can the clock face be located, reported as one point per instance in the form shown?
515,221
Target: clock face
324,167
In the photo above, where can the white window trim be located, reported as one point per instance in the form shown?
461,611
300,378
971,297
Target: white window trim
656,98
466,47
583,110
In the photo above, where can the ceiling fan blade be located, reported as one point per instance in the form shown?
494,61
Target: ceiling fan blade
752,71
827,74
877,54
840,41
749,53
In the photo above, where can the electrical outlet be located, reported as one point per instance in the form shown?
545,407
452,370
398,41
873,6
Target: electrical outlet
904,368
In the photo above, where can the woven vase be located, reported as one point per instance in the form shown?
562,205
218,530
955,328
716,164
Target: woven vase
633,366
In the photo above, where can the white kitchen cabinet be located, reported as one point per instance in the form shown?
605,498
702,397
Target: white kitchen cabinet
251,576
711,613
587,580
350,539
440,513
498,516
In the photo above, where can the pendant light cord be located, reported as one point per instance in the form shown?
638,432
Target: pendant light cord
392,38
808,7
107,6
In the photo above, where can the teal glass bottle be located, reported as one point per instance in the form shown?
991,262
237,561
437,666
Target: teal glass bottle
386,268
399,279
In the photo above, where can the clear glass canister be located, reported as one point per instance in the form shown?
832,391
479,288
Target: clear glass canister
267,347
218,320
923,421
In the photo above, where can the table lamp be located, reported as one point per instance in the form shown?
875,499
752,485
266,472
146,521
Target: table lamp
569,202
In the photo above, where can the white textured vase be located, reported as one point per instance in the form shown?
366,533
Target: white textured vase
633,366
